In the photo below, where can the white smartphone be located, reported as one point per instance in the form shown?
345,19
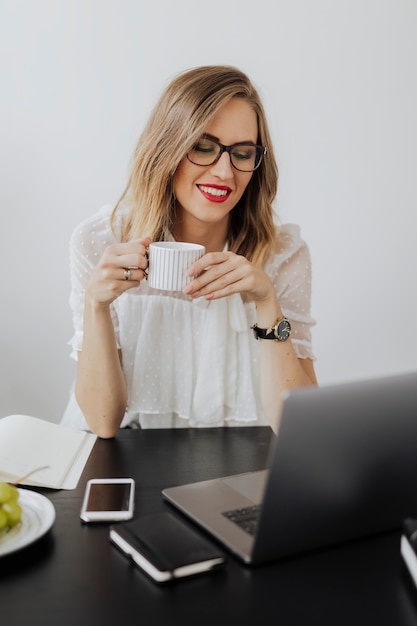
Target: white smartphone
108,500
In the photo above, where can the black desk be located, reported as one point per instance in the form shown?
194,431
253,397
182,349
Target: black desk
74,575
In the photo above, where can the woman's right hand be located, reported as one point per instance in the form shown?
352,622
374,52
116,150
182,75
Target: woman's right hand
121,267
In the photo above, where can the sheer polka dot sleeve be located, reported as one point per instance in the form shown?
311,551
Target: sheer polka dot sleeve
291,274
87,244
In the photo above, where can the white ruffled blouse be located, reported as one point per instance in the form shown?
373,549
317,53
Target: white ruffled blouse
189,362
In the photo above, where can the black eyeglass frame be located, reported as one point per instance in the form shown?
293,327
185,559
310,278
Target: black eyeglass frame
260,153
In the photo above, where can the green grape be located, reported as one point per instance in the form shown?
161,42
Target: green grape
3,519
13,512
10,509
14,494
5,492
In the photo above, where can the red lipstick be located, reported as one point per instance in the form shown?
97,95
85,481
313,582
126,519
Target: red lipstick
215,193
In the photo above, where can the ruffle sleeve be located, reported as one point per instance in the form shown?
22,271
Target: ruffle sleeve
291,274
87,244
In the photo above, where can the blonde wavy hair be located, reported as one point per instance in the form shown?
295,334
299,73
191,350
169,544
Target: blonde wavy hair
180,117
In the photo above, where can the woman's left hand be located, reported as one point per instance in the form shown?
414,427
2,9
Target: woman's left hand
220,274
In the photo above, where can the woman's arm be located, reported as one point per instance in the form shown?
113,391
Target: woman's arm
280,368
100,386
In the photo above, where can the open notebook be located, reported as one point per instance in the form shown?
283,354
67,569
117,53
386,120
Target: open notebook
28,443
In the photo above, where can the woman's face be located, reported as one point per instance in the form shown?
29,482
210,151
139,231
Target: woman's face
207,194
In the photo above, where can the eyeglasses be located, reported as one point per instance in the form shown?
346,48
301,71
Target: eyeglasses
245,157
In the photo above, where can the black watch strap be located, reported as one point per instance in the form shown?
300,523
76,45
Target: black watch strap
279,331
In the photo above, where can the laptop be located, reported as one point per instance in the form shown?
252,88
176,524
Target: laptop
343,466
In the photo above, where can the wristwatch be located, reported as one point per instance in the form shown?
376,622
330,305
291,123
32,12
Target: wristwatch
279,331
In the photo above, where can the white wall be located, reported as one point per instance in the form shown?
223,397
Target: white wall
338,79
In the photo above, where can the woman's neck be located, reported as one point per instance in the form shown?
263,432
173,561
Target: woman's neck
212,236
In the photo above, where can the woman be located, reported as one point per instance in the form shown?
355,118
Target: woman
203,172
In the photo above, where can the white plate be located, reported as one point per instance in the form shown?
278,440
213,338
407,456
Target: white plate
38,515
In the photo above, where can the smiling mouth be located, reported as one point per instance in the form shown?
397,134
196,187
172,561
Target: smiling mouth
214,191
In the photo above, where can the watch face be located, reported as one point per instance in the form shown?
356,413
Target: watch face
283,330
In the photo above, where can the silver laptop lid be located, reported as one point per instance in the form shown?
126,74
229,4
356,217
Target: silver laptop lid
344,465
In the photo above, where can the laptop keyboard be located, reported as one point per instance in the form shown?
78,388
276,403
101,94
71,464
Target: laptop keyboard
245,518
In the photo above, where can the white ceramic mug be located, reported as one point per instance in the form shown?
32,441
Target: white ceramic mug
168,263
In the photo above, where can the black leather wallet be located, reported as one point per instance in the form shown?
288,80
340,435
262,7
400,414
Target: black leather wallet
166,548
